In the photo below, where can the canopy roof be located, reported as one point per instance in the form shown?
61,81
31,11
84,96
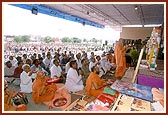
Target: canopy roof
101,15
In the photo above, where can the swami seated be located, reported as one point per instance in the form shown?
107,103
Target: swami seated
42,91
94,85
48,92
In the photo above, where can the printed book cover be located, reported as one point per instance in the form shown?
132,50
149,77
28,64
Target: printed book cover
135,90
128,103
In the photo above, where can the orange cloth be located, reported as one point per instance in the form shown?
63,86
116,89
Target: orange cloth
8,105
111,58
62,92
120,59
49,91
93,77
21,107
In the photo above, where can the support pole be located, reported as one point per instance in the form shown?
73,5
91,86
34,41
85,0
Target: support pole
137,66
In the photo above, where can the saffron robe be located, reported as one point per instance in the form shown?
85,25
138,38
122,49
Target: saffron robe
93,77
48,93
119,52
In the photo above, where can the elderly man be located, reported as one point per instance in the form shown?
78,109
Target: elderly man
26,79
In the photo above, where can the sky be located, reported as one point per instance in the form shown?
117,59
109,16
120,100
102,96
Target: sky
18,21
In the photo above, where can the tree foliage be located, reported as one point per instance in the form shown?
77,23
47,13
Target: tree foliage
71,40
85,40
47,39
21,39
94,40
76,40
66,39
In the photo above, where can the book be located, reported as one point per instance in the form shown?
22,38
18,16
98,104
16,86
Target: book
132,89
128,103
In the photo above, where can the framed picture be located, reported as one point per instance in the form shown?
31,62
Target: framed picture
132,89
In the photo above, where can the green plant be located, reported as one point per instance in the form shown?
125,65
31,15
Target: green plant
134,55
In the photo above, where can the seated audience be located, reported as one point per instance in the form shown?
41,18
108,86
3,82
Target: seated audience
101,65
9,71
78,60
67,66
74,81
92,63
26,79
18,70
56,71
12,59
41,63
85,69
36,66
28,61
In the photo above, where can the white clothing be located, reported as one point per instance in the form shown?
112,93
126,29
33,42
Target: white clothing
12,61
24,60
105,64
15,64
102,68
47,61
9,71
73,81
51,63
91,64
67,66
39,68
9,79
55,71
26,82
79,63
16,81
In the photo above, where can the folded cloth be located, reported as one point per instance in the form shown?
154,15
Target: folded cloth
110,91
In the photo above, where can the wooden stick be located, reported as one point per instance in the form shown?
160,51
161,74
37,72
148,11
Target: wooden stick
137,67
115,103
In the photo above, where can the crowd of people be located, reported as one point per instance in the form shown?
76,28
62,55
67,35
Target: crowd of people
75,69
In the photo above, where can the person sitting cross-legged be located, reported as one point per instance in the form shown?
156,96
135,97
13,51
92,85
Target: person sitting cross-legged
94,85
26,79
47,93
74,81
56,71
41,90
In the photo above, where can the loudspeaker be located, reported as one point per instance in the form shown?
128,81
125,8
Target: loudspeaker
34,10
